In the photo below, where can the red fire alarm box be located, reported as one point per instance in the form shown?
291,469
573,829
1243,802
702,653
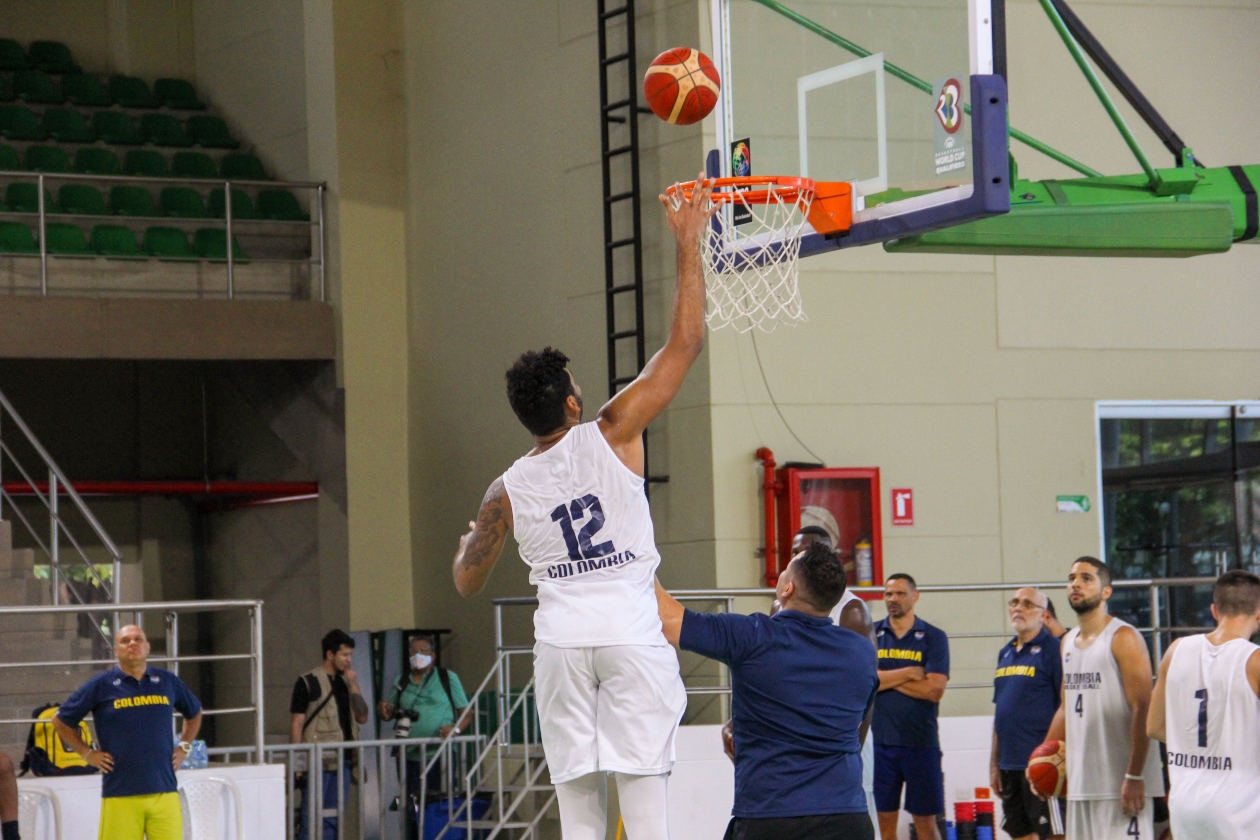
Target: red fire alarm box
845,502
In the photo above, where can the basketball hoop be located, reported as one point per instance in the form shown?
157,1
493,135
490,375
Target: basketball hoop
751,252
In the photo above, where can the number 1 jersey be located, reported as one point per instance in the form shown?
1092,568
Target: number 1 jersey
582,523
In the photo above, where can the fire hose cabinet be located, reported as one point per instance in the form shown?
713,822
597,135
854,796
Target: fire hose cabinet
844,502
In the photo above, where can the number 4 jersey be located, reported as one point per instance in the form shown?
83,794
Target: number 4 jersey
582,523
1213,726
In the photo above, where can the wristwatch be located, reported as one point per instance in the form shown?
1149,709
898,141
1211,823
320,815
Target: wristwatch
457,729
185,746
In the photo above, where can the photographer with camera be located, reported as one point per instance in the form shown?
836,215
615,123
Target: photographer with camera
428,702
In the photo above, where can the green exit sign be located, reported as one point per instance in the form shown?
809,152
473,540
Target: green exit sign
1072,504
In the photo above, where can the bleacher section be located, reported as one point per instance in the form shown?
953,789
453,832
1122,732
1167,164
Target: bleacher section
132,172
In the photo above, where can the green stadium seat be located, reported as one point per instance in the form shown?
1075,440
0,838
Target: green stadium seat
12,56
244,167
46,159
168,244
67,125
211,244
16,238
114,241
193,165
146,162
23,197
53,57
17,122
84,90
130,92
6,90
211,132
132,201
163,130
242,207
36,86
82,200
65,240
116,128
9,160
184,202
280,205
178,95
96,161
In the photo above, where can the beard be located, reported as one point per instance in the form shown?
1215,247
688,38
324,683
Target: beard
1085,604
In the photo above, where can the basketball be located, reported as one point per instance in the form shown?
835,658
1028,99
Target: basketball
1046,771
681,86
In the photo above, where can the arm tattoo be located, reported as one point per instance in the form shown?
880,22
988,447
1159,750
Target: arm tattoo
491,525
358,705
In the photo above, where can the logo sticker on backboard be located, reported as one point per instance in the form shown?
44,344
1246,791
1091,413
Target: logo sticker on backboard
951,144
741,167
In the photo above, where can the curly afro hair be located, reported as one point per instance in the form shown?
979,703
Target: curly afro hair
820,577
537,386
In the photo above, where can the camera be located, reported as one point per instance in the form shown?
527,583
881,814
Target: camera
403,720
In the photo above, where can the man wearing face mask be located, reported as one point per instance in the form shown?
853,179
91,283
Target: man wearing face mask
432,700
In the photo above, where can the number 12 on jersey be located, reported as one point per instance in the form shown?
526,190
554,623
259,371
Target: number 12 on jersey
579,543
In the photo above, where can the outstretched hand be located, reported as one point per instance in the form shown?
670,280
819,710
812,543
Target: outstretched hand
691,218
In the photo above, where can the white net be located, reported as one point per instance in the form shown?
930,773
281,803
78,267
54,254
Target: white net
750,259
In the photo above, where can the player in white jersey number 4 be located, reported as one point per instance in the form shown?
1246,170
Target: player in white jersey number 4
608,689
1206,707
1112,772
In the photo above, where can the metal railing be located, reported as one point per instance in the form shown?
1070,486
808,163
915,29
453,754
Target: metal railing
171,659
57,486
232,226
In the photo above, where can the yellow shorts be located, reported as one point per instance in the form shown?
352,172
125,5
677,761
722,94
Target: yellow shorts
156,816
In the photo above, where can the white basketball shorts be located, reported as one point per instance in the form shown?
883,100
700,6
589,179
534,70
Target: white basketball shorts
608,709
1102,819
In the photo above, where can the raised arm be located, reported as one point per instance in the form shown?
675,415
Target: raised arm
1135,673
623,418
1156,724
479,549
671,613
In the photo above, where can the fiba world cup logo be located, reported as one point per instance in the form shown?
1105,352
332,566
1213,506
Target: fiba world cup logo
949,106
741,159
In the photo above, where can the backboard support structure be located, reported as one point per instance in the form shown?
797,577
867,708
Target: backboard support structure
839,91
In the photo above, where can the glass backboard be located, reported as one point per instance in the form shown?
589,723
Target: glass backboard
898,97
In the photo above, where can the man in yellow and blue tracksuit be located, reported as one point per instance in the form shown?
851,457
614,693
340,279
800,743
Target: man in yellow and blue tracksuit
133,706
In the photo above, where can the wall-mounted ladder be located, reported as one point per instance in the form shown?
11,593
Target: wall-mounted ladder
623,279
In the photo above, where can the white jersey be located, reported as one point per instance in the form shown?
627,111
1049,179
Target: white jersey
582,523
1098,720
1213,726
868,749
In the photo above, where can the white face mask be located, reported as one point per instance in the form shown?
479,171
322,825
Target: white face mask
420,661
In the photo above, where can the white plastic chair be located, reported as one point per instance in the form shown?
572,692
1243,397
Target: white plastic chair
201,799
30,800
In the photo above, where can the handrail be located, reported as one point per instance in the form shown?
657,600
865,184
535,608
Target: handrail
157,179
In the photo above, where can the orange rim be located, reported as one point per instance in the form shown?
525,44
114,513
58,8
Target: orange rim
783,187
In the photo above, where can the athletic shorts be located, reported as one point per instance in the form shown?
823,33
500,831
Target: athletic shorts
608,709
868,777
1023,812
1102,819
918,770
829,827
156,816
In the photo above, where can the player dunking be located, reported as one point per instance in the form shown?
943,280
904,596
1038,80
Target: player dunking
1112,772
609,692
1206,707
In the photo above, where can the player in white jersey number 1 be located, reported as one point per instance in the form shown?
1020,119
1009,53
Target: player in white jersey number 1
1206,707
608,689
1112,770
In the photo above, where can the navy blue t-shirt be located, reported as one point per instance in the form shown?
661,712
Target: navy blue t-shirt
133,724
800,689
902,720
1026,693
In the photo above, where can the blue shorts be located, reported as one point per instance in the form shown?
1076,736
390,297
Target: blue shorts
919,770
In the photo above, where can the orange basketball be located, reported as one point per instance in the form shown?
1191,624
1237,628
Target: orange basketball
681,86
1047,772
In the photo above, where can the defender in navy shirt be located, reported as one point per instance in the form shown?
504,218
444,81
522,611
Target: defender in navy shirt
801,688
133,708
913,671
1026,692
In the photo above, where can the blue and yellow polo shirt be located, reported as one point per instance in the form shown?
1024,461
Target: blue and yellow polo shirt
902,720
1026,693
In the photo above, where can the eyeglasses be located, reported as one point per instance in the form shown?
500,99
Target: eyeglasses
1025,603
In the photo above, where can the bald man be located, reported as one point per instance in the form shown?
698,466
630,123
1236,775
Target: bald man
133,706
1026,691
